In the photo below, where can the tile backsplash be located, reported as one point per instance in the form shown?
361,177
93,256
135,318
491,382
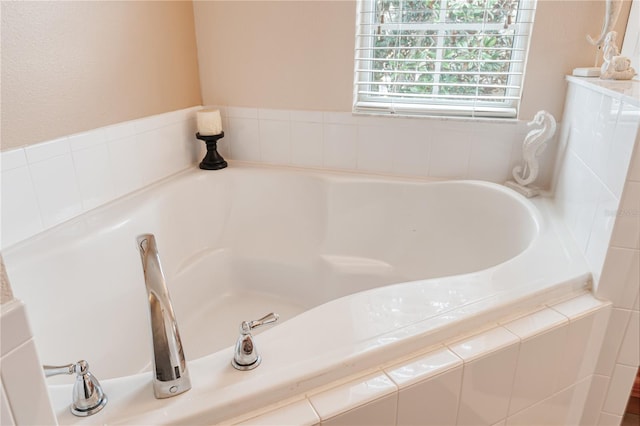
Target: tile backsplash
596,186
433,147
23,391
48,183
598,194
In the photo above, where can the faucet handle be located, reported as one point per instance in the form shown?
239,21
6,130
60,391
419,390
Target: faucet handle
88,397
246,355
247,326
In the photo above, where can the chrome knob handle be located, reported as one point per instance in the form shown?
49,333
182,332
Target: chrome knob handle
246,355
88,396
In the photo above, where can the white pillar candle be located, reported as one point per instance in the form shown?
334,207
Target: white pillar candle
209,122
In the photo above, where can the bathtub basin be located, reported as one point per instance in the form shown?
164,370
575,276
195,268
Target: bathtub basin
362,269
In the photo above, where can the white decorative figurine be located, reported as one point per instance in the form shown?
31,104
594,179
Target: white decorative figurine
534,144
613,8
614,66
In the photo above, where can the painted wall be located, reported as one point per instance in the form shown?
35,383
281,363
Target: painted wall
72,66
69,66
299,55
277,54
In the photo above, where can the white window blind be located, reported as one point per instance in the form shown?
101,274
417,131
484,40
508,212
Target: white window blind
441,57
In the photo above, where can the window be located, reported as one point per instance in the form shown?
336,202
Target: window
441,57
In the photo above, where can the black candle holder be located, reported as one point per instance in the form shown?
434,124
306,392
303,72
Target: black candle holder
213,160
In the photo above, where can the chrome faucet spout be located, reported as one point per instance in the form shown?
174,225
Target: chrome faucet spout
170,374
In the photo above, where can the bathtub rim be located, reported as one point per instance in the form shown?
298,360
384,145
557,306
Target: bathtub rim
90,221
128,394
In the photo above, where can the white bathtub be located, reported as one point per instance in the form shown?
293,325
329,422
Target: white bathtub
362,270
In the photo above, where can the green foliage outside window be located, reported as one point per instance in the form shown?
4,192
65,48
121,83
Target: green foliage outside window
458,56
